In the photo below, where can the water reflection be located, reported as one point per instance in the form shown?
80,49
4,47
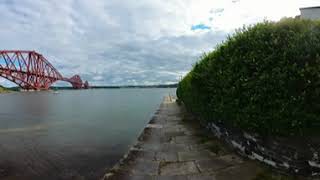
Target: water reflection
73,134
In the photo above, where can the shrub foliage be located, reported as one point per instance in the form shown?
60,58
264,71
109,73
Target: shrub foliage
263,79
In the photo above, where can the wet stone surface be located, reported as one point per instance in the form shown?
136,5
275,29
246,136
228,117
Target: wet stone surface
172,147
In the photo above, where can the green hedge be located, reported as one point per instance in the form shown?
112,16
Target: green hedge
263,79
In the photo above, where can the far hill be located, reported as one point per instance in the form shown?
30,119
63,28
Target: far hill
126,86
4,90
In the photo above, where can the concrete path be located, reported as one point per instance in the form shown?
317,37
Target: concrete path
175,147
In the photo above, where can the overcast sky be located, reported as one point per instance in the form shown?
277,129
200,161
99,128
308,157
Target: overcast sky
121,42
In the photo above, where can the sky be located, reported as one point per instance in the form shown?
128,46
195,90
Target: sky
130,42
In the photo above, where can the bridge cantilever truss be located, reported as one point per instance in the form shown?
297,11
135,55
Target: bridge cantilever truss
31,70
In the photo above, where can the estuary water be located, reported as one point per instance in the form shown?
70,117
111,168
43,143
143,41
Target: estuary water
73,134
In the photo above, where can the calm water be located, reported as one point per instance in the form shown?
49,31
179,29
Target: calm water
72,134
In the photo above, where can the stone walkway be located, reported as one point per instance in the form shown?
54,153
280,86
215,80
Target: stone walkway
175,147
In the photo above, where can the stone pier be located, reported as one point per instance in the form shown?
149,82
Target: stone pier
174,146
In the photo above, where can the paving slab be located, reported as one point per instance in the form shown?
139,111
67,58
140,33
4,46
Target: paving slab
212,165
195,155
173,146
145,168
119,176
174,177
166,156
202,176
178,168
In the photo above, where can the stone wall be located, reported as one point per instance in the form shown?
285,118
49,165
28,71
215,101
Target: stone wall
296,156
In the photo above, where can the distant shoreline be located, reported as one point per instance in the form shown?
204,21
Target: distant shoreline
102,87
127,86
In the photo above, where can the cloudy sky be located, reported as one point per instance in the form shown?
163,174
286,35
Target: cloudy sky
121,42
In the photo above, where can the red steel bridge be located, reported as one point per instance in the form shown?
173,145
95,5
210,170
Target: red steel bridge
32,71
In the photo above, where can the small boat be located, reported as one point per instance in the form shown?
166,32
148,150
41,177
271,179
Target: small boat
55,92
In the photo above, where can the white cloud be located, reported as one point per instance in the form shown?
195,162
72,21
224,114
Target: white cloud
129,42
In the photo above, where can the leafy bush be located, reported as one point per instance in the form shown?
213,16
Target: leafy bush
264,79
